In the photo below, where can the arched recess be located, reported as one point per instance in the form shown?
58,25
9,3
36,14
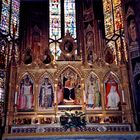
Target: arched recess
25,97
131,28
69,86
27,56
92,91
45,93
90,46
112,91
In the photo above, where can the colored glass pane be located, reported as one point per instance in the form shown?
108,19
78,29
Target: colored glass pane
125,50
55,50
5,15
15,17
107,5
109,28
118,52
116,2
69,14
112,17
55,19
118,18
108,17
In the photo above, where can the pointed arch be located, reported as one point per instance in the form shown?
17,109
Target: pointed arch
92,73
69,86
45,92
71,67
24,74
25,100
46,74
92,91
112,91
111,73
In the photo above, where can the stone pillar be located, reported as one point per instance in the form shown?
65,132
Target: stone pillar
11,110
132,35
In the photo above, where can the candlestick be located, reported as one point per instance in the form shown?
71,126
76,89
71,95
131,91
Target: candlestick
16,95
55,93
84,96
123,99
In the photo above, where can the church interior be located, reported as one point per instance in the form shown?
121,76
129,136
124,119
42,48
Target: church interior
71,68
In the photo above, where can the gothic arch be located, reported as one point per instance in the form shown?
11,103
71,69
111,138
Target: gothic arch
24,74
91,72
113,74
69,86
65,68
95,75
112,93
92,91
26,93
46,74
45,92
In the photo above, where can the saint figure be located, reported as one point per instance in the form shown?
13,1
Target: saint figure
60,93
25,99
90,92
112,94
46,94
132,30
113,98
97,96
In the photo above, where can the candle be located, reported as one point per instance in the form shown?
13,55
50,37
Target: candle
16,95
55,93
123,99
84,96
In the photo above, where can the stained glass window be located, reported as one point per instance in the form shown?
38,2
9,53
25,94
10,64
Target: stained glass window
114,26
118,18
70,22
109,24
61,22
15,17
5,16
112,16
55,19
54,48
118,52
10,16
109,28
116,2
